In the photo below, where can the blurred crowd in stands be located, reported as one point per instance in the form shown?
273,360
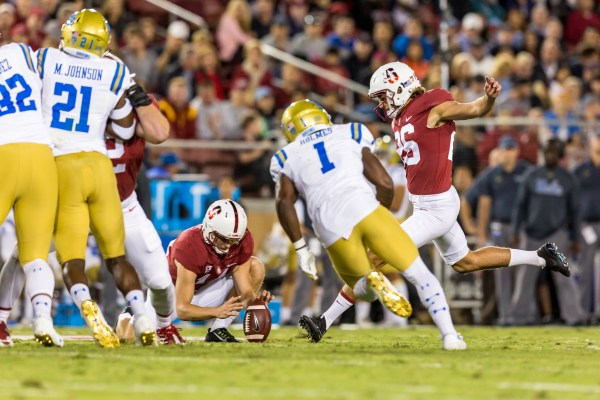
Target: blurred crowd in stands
214,82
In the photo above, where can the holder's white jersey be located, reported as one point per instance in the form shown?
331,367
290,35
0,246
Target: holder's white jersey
21,119
327,169
78,96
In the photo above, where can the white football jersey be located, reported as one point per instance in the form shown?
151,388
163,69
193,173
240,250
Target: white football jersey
327,169
21,119
78,96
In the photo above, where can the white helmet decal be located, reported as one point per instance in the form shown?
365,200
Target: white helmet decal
226,221
393,83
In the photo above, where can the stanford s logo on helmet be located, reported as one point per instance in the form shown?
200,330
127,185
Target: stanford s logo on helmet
225,221
213,211
392,85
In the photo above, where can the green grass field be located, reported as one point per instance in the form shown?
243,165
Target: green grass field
501,363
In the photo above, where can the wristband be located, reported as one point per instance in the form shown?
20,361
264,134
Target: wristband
120,113
122,132
300,244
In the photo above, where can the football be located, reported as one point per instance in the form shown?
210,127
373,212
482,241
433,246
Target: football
257,321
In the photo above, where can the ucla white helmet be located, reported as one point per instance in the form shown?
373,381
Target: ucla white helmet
224,225
392,85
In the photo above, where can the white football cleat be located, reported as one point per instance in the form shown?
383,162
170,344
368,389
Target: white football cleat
145,331
43,330
453,342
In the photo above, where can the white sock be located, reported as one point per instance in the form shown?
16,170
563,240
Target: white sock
39,282
286,314
363,291
222,322
163,301
524,257
80,292
135,300
363,309
431,295
12,281
341,304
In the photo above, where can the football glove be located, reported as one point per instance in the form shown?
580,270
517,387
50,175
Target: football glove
138,96
306,259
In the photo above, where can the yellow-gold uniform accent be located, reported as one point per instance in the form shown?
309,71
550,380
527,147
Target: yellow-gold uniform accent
87,189
380,232
29,184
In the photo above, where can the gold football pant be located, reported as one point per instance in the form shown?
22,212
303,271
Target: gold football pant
87,197
380,232
28,184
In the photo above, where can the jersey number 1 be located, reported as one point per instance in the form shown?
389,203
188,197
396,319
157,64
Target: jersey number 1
326,165
67,124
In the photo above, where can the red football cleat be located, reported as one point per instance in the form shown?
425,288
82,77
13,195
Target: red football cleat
170,335
5,339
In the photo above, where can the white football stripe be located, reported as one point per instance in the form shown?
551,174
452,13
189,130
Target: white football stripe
257,308
252,337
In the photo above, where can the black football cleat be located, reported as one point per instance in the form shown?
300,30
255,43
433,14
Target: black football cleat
555,260
314,327
220,335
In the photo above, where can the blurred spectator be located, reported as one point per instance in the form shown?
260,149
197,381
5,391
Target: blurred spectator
252,171
235,109
585,15
491,10
292,80
342,36
186,66
588,177
539,19
169,165
333,63
254,68
296,10
546,205
359,62
262,16
35,27
549,61
7,20
412,31
210,69
233,31
416,60
383,33
139,58
471,27
461,70
561,121
264,99
481,62
310,45
176,107
177,35
148,26
116,15
279,35
211,112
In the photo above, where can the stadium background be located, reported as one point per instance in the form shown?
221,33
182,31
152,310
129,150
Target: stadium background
223,72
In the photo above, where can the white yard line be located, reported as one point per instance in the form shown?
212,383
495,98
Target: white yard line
549,386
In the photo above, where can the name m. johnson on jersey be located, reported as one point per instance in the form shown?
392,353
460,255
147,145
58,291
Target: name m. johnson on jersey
76,71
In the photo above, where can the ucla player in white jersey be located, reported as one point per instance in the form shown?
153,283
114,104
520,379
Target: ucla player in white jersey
28,183
330,166
82,90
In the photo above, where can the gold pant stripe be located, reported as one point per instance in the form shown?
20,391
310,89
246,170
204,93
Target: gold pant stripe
380,232
87,198
28,183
